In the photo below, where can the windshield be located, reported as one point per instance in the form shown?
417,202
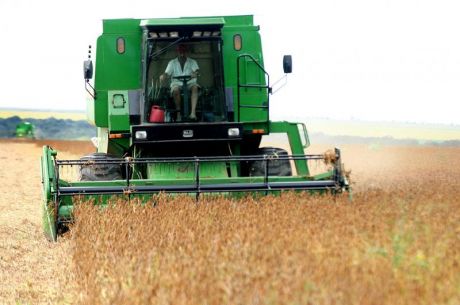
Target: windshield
186,89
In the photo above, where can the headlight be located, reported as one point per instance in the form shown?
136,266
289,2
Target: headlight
233,132
141,135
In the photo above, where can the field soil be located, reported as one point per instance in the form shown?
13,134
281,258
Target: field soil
31,268
398,242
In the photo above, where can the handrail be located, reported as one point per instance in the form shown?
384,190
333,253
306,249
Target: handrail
239,86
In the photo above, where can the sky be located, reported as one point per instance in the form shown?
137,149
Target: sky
380,60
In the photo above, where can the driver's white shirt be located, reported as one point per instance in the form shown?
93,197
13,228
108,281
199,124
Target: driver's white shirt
174,69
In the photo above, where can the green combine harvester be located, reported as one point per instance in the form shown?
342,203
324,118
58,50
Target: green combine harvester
143,148
25,130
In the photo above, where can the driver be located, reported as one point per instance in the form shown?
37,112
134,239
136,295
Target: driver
182,66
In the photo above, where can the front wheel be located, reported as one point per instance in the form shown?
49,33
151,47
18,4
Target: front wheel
93,171
276,166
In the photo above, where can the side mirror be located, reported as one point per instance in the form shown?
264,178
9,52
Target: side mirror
287,64
88,69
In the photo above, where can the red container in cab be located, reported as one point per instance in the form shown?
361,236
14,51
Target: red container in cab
157,115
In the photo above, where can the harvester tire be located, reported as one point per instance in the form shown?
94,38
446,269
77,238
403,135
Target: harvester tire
99,172
276,167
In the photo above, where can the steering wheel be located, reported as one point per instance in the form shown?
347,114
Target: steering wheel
183,78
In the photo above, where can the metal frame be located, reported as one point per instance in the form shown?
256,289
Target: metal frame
196,185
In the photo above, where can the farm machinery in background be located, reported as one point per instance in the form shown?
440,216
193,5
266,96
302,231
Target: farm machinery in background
25,130
143,150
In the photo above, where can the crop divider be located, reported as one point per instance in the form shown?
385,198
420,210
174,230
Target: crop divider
197,178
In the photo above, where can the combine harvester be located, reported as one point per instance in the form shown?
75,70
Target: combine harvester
25,130
142,146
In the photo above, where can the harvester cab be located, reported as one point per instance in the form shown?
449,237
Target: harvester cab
145,142
207,52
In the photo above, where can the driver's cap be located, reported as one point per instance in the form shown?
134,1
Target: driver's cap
181,48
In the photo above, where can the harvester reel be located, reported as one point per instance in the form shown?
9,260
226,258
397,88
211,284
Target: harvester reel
276,166
100,171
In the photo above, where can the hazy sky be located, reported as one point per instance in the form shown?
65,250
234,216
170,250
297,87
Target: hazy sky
394,60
